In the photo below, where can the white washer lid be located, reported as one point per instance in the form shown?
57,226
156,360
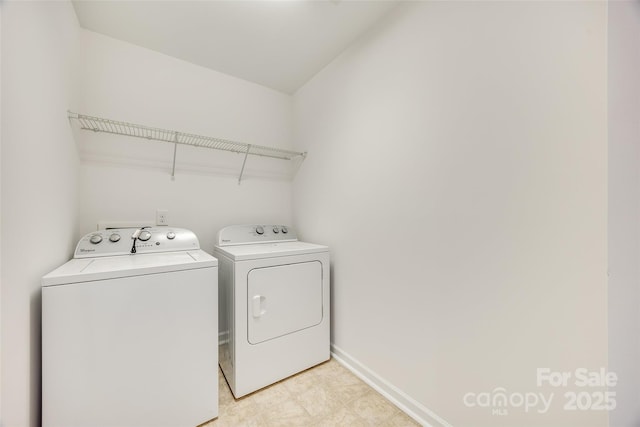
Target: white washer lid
269,250
111,267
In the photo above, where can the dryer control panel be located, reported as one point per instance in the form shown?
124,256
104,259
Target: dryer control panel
122,241
252,234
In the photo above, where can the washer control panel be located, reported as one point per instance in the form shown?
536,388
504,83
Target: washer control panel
251,234
120,241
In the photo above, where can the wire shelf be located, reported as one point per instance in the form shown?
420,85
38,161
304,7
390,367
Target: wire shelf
115,127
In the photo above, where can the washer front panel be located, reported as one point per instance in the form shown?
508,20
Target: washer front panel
123,352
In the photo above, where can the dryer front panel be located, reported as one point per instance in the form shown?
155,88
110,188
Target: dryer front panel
283,299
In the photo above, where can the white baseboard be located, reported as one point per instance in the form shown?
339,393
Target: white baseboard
408,405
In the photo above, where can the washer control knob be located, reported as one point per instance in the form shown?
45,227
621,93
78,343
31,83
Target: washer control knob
259,230
275,230
171,235
284,229
95,239
114,238
144,236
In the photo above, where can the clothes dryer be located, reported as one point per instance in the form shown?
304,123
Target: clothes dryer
274,290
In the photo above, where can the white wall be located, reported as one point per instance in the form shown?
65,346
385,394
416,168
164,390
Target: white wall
458,170
624,208
0,210
40,43
124,179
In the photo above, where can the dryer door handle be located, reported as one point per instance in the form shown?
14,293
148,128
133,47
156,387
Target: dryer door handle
258,305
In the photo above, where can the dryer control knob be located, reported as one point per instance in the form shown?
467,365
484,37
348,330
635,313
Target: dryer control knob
144,236
275,230
114,238
95,239
259,230
284,230
171,235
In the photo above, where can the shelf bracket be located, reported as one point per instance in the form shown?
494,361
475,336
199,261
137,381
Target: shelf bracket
175,150
244,162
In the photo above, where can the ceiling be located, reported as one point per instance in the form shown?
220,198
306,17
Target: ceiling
278,44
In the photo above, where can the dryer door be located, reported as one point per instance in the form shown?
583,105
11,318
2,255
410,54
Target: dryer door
283,299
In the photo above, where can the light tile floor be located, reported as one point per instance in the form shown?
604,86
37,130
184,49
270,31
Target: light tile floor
326,395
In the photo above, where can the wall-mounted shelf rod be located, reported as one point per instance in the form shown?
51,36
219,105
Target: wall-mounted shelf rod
98,124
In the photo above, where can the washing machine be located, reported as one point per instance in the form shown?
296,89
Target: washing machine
129,329
274,295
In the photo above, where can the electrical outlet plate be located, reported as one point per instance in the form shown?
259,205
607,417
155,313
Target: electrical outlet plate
162,217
